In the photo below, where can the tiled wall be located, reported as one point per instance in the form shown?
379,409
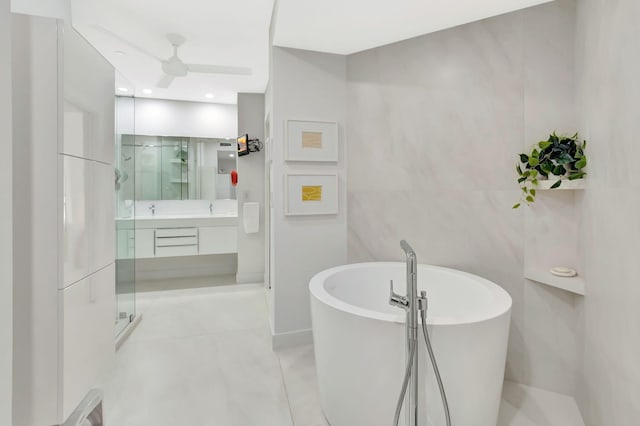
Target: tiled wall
608,60
434,126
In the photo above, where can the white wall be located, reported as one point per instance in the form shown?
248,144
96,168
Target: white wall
435,124
251,189
160,117
36,219
609,89
6,219
305,86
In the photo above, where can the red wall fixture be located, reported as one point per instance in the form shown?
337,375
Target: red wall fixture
234,178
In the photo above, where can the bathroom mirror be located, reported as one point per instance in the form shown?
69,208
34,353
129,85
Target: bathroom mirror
181,168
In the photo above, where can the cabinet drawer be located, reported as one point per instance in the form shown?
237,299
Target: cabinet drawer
176,232
176,241
176,251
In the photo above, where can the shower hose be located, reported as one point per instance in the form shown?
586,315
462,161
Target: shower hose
407,374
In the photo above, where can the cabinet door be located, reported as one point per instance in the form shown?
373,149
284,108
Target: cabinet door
102,215
88,95
145,243
88,341
218,239
76,240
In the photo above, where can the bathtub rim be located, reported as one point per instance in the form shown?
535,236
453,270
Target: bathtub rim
501,304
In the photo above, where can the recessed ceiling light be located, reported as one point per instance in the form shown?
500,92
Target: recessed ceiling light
209,96
231,155
147,91
123,89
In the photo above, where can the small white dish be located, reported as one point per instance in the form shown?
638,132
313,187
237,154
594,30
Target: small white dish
563,271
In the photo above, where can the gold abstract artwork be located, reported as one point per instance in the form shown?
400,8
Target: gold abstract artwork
312,193
312,140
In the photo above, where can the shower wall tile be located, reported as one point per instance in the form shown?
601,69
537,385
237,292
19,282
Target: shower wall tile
434,127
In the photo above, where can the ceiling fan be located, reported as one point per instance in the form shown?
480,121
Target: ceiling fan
174,66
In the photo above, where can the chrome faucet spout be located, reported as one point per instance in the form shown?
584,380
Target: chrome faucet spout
152,207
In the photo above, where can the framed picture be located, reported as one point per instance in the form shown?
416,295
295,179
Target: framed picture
311,141
311,194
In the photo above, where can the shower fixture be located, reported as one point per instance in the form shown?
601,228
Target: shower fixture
412,304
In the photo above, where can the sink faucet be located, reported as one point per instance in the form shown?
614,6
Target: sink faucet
211,208
152,207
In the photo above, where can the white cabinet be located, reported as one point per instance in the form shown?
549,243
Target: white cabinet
218,239
75,218
65,301
101,211
88,101
87,236
88,346
174,237
145,243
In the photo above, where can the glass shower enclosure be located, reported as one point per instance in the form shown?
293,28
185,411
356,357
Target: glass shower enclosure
125,193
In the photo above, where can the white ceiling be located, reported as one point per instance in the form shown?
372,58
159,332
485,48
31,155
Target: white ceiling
349,26
218,32
236,33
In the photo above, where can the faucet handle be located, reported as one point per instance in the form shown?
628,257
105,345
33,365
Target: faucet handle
397,300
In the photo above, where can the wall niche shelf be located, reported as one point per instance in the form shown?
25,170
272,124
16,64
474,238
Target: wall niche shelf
552,235
577,184
573,284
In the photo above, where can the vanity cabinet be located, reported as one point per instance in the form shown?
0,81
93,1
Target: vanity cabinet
145,243
174,237
218,239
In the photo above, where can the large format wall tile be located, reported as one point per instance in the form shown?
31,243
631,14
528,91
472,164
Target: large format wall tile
434,127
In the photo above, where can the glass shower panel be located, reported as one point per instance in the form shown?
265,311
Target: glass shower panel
125,191
174,168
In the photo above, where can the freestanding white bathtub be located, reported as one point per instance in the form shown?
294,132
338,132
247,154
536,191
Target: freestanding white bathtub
360,344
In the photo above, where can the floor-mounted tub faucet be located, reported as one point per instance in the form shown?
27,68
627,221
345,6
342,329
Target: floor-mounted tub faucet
414,304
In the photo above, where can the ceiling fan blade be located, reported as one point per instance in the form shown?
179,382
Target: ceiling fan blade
219,69
125,41
165,81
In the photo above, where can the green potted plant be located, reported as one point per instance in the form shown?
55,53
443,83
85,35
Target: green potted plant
558,158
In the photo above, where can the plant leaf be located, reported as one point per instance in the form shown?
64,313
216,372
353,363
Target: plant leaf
515,206
581,163
559,170
544,144
564,158
532,192
519,169
533,161
578,175
530,199
524,158
557,184
522,179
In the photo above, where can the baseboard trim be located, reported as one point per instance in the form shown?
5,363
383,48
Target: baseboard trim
291,339
250,278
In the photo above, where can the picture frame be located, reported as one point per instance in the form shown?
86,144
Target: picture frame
314,141
311,194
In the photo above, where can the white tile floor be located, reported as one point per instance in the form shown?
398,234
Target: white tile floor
202,356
